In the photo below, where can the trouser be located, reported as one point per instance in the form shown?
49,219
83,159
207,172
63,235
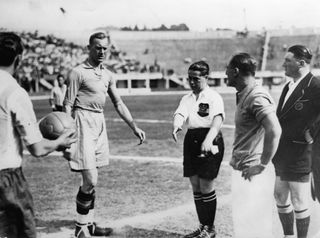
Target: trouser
252,204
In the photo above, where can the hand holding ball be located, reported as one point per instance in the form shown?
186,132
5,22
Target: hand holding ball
56,124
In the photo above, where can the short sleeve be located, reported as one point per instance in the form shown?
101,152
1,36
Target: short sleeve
182,108
261,106
73,85
113,92
52,93
24,118
218,107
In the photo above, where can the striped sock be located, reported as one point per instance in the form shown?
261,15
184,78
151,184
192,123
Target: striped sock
210,206
199,205
302,222
85,207
287,218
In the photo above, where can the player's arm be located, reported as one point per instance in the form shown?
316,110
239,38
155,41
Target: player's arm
179,117
211,135
26,125
51,99
218,111
73,85
272,135
124,113
45,147
178,120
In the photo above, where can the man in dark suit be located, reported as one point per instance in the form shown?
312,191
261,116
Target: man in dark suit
298,108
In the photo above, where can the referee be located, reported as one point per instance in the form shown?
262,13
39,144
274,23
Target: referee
202,110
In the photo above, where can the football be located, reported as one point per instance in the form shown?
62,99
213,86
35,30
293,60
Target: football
55,123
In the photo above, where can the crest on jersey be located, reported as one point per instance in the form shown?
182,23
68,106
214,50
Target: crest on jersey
203,109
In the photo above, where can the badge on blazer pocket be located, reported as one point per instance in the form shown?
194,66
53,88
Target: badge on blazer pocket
300,104
203,109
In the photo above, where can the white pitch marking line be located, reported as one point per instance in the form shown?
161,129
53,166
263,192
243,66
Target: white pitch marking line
137,158
155,217
158,121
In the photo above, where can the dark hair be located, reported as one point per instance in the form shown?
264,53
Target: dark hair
98,35
10,46
301,52
201,66
60,75
246,64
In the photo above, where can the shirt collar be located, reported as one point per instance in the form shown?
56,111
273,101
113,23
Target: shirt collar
87,65
245,92
202,93
291,83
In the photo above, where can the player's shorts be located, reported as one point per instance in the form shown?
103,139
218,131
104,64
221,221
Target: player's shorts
16,205
91,149
58,108
207,167
293,177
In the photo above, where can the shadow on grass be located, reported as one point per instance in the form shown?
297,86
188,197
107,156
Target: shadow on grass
53,225
143,233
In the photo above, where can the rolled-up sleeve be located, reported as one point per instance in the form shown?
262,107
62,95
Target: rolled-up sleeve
73,84
24,118
218,106
182,109
261,106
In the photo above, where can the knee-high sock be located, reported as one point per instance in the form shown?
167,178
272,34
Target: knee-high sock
302,223
286,216
85,207
199,206
210,206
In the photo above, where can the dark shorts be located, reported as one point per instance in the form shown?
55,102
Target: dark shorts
16,205
207,167
293,177
58,108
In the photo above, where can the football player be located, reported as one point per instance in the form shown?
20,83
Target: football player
85,98
18,126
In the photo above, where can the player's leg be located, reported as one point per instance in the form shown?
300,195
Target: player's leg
195,183
209,202
85,202
189,170
16,206
101,159
207,169
285,209
90,125
300,194
250,199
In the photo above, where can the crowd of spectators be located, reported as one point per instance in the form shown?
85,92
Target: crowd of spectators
47,56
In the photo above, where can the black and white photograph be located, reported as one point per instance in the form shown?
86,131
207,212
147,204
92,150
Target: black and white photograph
159,118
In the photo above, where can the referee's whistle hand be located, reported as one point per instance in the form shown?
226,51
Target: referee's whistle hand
174,133
140,134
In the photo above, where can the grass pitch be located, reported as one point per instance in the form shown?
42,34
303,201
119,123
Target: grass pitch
130,188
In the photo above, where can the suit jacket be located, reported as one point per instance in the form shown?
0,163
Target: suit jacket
296,118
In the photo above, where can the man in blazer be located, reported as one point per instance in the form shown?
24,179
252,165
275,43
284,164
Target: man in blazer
298,108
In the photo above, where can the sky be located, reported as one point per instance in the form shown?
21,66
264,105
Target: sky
199,15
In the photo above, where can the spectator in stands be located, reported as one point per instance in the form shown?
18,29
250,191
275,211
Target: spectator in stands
58,93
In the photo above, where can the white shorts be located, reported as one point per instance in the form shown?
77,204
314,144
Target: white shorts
252,204
91,149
